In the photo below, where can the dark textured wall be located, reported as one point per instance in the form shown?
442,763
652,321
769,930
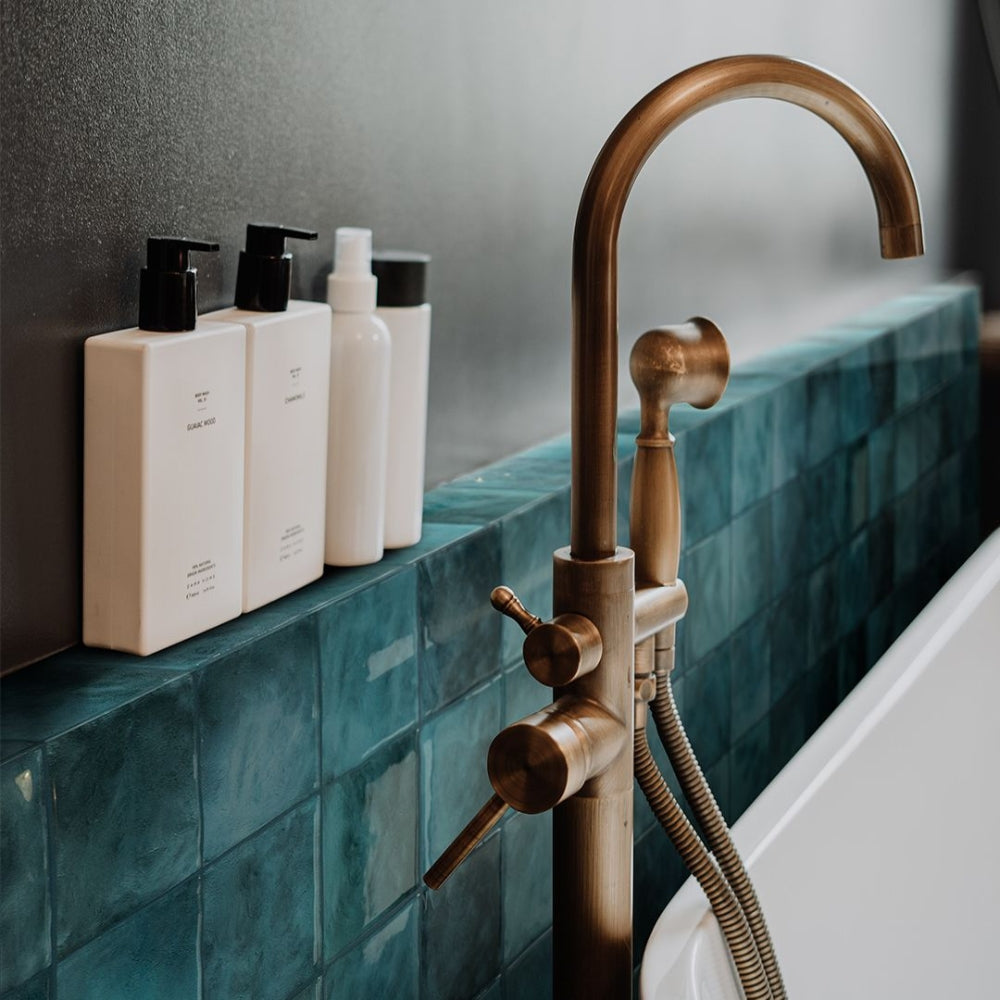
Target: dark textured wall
463,129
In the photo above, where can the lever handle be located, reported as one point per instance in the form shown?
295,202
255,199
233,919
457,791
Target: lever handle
461,847
506,602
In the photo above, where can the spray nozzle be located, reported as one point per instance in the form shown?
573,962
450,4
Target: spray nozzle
168,284
264,277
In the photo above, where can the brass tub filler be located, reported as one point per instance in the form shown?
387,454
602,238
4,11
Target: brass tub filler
608,651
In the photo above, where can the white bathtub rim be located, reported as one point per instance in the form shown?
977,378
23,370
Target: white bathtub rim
688,912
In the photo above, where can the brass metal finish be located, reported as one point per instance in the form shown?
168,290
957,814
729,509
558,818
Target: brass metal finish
542,760
506,602
560,651
657,607
461,847
595,243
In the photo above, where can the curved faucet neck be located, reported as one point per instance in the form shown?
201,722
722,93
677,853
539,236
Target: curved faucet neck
593,531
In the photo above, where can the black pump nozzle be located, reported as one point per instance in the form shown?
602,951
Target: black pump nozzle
264,277
168,284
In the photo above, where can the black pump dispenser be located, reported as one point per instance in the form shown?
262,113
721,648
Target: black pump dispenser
167,284
264,277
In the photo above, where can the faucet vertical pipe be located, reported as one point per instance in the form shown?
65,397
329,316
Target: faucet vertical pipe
595,244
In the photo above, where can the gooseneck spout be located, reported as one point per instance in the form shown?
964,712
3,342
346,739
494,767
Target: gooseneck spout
595,244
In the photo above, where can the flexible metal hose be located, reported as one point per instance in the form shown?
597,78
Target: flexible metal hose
713,825
752,974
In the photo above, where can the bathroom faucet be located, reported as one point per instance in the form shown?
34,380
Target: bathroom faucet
613,608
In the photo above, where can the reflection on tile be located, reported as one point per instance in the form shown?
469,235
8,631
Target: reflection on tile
25,930
369,842
382,965
368,670
259,937
453,747
527,886
152,954
471,502
530,977
133,771
461,950
460,631
257,728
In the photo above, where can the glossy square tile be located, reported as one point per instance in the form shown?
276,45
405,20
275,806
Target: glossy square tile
526,848
461,947
791,406
369,842
530,977
857,486
522,694
706,489
454,783
459,630
788,725
432,538
824,608
708,706
823,414
152,954
25,917
907,453
753,452
856,402
751,562
384,964
749,766
750,660
368,670
882,376
932,416
258,724
828,497
790,528
789,639
471,502
906,524
260,935
36,988
527,541
707,571
881,468
132,773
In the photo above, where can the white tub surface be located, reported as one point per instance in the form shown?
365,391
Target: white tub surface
876,851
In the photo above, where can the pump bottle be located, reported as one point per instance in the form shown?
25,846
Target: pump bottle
163,466
287,400
359,407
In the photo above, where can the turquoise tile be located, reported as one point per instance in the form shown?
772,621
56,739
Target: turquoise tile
931,431
820,691
907,453
469,502
460,631
829,507
824,608
384,964
857,486
717,777
526,849
530,977
850,662
708,706
527,541
312,992
823,413
954,406
523,695
856,404
750,660
258,734
26,914
788,725
751,562
854,583
707,573
260,904
706,489
931,514
789,639
540,470
950,486
61,693
368,670
432,538
131,774
882,375
152,954
750,766
791,405
878,631
753,454
906,526
492,992
369,842
658,874
881,556
790,521
37,988
881,468
454,782
460,950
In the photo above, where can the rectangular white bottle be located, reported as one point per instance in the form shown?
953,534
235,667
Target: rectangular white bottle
287,405
163,468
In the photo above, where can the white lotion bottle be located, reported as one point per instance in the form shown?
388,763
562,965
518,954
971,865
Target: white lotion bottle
163,466
359,407
287,401
403,307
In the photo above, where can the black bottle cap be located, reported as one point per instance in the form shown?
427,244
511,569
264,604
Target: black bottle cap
402,277
264,276
167,284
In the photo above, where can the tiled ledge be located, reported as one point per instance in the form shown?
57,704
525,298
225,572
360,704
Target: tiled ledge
315,755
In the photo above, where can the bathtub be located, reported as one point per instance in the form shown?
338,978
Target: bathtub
875,851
